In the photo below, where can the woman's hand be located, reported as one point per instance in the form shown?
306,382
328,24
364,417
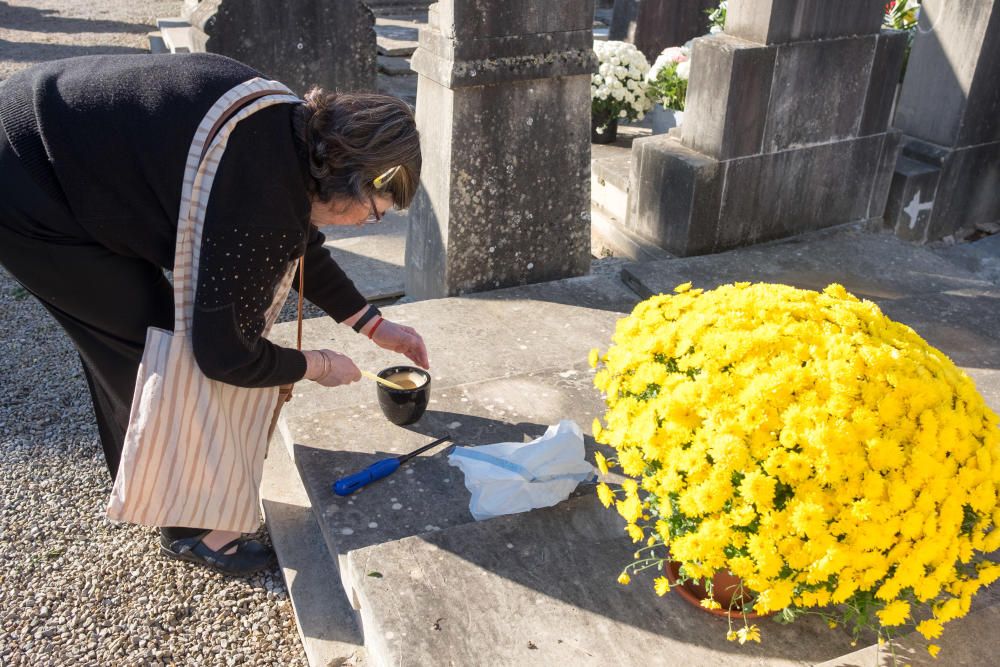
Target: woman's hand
329,368
402,339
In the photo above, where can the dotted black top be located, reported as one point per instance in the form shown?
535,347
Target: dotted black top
108,136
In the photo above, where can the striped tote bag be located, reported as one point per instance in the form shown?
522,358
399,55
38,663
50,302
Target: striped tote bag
194,449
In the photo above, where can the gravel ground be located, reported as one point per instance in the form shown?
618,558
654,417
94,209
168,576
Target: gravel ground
74,588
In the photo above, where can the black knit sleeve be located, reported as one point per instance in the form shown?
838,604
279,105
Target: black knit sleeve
327,285
254,227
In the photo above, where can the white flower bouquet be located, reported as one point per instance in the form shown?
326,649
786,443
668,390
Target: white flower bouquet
618,90
668,77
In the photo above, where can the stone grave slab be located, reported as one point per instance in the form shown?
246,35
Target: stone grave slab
372,255
540,588
870,265
427,494
981,257
964,324
961,644
495,334
327,625
988,383
397,35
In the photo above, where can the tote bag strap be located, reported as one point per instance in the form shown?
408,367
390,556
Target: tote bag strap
203,159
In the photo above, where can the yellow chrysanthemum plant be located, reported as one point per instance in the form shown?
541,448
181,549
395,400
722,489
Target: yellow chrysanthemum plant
826,455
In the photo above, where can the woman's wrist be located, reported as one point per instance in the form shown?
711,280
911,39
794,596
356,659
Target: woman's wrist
375,324
315,364
363,320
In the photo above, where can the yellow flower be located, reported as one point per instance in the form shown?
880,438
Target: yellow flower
806,442
630,508
635,532
930,629
662,585
748,634
597,429
594,357
710,603
894,613
758,489
933,649
602,463
605,494
624,579
731,635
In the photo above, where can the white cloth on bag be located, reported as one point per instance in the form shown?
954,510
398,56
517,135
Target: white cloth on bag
194,449
511,477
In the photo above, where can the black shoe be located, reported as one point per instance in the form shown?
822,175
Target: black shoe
250,555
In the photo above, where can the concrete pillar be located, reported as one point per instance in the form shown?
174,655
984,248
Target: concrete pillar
302,43
785,129
503,109
948,177
653,25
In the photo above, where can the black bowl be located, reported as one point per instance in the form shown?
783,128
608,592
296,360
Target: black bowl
406,406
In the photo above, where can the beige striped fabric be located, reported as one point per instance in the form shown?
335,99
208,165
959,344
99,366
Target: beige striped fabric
194,450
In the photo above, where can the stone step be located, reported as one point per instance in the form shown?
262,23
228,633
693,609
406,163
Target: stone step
176,33
609,237
156,43
328,627
609,192
398,34
609,181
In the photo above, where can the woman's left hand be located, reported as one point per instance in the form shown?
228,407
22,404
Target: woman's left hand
402,339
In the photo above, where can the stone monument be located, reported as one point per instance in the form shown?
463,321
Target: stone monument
785,129
948,177
503,109
653,25
330,43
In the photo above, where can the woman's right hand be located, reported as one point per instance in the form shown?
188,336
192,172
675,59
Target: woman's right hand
329,368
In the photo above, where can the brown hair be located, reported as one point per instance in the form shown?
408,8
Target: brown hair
353,138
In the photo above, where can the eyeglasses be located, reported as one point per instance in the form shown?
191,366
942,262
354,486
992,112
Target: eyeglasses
375,216
380,182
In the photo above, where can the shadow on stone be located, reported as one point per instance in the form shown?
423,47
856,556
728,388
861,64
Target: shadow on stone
607,293
49,21
30,52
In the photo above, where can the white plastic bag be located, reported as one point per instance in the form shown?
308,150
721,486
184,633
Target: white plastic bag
511,477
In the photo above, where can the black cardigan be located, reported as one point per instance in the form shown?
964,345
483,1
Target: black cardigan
108,136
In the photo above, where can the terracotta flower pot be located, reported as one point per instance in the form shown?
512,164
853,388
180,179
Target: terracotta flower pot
725,585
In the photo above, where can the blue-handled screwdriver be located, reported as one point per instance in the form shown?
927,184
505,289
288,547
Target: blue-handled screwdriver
378,470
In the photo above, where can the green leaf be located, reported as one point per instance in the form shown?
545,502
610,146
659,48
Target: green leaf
377,575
